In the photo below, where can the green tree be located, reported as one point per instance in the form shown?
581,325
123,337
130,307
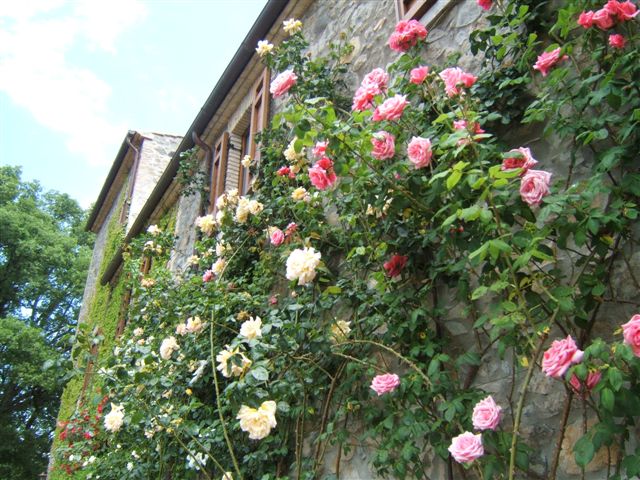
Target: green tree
30,387
44,257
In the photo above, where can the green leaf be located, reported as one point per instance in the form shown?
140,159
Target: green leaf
583,451
453,179
259,373
615,378
332,290
479,292
607,399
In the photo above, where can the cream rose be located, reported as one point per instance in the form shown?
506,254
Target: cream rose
168,346
252,328
115,418
194,325
206,224
258,422
302,264
340,330
236,369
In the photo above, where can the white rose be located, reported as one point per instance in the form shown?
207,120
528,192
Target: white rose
258,422
302,264
153,230
292,26
218,266
194,325
224,358
115,418
251,328
340,331
264,47
168,346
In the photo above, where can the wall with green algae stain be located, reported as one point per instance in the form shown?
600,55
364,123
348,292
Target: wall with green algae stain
103,312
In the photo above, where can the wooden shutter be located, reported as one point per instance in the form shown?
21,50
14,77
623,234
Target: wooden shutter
412,9
122,315
88,371
259,120
218,170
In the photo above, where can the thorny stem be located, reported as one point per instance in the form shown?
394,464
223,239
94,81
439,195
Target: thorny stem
393,352
563,426
219,403
520,407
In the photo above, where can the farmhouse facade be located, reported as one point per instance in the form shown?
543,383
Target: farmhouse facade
145,187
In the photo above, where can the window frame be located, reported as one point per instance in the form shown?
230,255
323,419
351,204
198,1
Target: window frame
258,120
415,9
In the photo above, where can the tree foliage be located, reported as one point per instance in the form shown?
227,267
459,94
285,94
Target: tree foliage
44,256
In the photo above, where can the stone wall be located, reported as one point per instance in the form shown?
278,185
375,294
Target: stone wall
368,25
155,153
100,245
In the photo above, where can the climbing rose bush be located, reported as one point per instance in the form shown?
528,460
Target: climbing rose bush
382,219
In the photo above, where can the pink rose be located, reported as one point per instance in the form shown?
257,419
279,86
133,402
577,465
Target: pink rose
546,60
283,171
324,162
453,78
273,300
391,109
484,4
320,149
282,83
525,160
463,125
631,333
418,74
622,11
626,11
363,98
377,77
617,41
486,414
406,35
534,185
562,354
291,229
465,448
603,19
419,151
383,145
386,383
593,378
322,175
395,265
276,237
207,276
586,19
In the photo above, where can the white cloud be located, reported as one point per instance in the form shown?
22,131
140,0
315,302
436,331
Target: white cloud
35,40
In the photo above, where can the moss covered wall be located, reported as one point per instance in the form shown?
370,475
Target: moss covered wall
102,310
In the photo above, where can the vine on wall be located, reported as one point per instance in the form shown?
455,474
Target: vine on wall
319,305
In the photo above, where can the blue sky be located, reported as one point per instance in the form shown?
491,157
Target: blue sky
75,75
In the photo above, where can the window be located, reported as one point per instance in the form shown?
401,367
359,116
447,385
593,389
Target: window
412,9
259,120
243,175
218,170
122,314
